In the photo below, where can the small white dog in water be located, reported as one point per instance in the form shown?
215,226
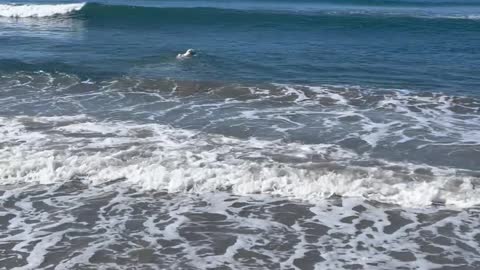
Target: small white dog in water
189,53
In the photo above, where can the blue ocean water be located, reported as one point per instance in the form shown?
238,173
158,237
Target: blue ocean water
315,134
420,45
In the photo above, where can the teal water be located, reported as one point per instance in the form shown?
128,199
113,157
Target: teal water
415,45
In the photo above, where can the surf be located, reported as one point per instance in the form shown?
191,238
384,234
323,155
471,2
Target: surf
184,161
38,11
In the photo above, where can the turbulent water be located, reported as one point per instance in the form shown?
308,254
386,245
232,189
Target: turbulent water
313,135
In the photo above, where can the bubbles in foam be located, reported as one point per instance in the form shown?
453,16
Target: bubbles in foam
69,225
156,157
296,141
31,10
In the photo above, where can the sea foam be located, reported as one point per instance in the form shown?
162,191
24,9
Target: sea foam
25,11
157,157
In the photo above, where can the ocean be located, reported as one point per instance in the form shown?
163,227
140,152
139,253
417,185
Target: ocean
310,134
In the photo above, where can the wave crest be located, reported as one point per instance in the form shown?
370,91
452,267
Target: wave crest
212,14
39,11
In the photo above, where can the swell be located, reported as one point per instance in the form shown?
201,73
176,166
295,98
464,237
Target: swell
244,15
405,3
267,17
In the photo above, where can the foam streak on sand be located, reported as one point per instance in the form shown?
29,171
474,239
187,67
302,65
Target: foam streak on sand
24,11
69,226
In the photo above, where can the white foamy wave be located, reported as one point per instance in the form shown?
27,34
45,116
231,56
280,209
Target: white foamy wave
157,157
474,17
25,11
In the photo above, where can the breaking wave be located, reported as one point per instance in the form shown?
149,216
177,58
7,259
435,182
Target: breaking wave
156,157
24,11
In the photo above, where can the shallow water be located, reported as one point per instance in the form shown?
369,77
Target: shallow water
315,135
75,226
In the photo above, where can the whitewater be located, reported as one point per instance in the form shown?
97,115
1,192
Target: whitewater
23,11
188,162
